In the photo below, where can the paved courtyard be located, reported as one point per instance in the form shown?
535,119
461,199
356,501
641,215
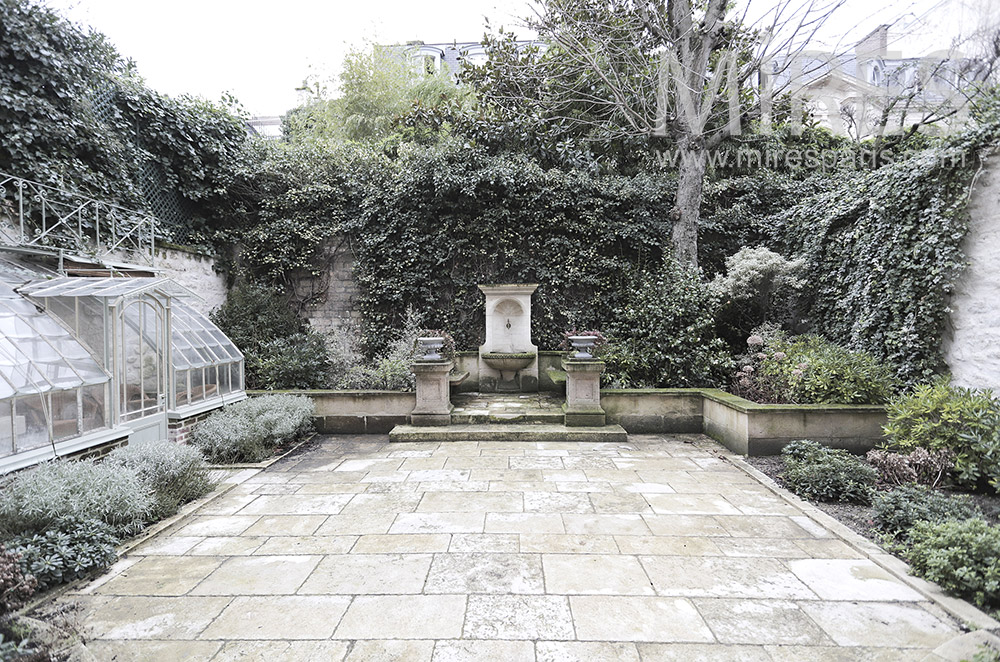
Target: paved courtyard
357,549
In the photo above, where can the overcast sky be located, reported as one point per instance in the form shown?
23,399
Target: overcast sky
262,51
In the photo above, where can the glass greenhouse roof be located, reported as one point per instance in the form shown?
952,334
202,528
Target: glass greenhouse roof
196,341
36,353
106,288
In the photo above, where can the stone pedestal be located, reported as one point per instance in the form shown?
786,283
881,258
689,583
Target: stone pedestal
433,395
583,392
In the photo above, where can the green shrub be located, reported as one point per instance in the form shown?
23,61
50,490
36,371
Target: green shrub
391,370
820,372
70,548
986,653
896,512
280,351
386,375
15,585
940,416
757,378
343,346
979,459
962,557
300,361
815,472
804,450
20,650
175,473
664,333
759,285
33,500
250,430
918,466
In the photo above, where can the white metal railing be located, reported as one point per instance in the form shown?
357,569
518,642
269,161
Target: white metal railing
34,215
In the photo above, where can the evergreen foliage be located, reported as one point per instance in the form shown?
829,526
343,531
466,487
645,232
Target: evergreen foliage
883,251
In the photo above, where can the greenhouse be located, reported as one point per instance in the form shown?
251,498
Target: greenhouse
91,361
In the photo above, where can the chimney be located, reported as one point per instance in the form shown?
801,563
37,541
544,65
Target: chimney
874,45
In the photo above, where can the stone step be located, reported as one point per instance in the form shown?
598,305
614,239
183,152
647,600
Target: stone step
529,417
508,432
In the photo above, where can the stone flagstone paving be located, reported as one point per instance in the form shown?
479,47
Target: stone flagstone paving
356,549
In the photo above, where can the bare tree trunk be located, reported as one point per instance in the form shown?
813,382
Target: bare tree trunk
690,184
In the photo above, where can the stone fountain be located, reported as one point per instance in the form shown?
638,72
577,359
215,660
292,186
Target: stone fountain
508,361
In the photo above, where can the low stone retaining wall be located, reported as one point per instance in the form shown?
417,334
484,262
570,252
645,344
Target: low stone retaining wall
751,429
740,425
360,412
643,411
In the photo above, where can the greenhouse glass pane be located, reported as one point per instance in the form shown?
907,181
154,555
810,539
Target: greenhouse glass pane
197,385
193,358
31,429
236,371
65,309
6,428
95,407
181,388
197,342
224,381
37,353
64,408
92,327
211,382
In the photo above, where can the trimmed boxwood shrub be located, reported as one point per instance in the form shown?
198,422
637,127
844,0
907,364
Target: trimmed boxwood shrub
962,557
814,471
250,430
898,511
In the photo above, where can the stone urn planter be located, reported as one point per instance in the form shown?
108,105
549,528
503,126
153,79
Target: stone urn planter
583,346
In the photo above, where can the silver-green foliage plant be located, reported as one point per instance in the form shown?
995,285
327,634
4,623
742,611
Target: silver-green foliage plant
33,500
814,471
250,430
176,473
939,416
963,557
70,548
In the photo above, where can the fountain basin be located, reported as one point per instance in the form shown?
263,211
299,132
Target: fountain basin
508,361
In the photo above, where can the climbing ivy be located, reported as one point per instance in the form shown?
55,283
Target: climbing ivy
437,221
74,114
883,251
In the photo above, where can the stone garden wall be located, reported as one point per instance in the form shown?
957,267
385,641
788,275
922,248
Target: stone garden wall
329,297
972,344
196,272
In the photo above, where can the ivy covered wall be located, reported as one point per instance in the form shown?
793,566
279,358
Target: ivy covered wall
883,250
